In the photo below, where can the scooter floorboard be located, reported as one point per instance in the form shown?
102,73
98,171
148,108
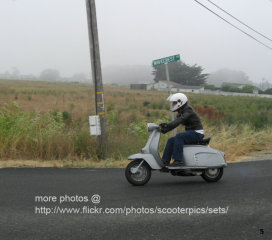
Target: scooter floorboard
178,167
186,167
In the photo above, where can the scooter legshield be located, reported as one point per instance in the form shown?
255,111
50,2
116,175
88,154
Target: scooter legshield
148,158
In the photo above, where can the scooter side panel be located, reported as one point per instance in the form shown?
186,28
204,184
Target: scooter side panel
148,158
210,159
198,155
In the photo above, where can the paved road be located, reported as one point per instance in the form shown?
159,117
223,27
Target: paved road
245,189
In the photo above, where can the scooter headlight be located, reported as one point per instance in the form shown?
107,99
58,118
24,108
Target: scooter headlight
148,127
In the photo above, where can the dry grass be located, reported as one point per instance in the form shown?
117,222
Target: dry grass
238,141
124,106
43,97
108,163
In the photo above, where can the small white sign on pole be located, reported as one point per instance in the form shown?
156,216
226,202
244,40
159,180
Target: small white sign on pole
95,128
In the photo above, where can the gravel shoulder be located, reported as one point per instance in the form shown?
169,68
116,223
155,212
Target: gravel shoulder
109,163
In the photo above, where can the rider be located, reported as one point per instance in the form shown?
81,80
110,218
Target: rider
193,129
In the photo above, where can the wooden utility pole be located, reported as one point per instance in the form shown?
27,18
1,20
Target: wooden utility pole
97,76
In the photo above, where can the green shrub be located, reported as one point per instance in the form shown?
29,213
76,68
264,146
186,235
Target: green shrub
66,116
146,103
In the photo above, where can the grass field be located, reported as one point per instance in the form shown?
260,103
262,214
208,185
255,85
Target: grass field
42,121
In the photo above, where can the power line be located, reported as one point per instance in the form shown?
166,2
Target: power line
240,21
234,25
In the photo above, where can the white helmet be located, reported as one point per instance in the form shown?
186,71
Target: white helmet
177,101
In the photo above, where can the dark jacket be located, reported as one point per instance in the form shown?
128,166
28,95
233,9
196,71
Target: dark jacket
187,117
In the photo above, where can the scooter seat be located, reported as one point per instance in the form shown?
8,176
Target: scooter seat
204,141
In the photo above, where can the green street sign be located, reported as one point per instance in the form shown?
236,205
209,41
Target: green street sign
170,59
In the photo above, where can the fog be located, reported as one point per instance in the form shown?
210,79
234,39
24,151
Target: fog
40,34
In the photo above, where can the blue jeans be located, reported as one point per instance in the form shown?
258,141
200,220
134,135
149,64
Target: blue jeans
174,146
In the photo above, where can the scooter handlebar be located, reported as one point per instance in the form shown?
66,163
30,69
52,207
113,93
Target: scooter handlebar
152,126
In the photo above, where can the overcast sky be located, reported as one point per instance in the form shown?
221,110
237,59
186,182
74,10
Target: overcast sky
39,34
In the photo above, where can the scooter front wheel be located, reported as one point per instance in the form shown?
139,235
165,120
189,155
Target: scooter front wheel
138,172
212,174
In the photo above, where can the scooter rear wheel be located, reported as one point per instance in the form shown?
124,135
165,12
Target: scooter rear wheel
212,174
143,174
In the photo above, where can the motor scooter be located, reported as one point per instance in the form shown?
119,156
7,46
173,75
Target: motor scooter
199,160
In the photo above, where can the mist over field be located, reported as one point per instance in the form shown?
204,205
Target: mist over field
37,35
48,40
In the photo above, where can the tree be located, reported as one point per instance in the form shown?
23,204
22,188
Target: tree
80,77
268,91
210,87
229,76
50,75
244,89
248,89
181,73
15,73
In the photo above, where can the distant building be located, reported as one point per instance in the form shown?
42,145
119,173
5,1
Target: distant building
255,90
28,77
194,89
175,87
229,84
138,86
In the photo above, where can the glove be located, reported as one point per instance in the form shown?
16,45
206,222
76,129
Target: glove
163,127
